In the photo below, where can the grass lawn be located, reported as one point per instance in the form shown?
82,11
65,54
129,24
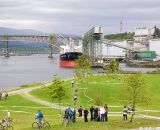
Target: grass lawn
43,93
23,113
108,87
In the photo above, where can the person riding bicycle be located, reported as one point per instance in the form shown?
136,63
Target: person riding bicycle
39,116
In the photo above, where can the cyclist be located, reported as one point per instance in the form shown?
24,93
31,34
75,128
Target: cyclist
39,117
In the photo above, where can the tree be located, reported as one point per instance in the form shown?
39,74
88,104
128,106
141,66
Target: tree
157,32
134,92
57,90
120,36
98,98
83,69
113,66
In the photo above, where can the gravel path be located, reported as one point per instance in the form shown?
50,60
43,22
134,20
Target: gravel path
25,93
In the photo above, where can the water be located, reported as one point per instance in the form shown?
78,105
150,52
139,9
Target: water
19,70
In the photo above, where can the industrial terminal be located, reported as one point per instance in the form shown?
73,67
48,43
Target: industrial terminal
141,51
140,48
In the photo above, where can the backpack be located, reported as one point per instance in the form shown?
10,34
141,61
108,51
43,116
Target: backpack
70,112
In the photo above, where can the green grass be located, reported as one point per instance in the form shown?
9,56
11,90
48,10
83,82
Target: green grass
108,87
24,111
154,83
115,123
23,114
43,93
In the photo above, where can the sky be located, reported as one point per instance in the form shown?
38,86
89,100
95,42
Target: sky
78,16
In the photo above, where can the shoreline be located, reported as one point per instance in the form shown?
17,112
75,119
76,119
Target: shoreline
34,84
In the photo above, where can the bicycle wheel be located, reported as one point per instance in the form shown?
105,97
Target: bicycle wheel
46,125
1,127
10,127
35,126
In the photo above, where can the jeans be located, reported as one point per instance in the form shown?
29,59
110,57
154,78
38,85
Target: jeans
102,117
106,116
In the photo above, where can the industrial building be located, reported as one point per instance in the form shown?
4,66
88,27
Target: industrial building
143,34
154,45
143,47
109,51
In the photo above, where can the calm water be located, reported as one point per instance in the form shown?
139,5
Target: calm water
19,70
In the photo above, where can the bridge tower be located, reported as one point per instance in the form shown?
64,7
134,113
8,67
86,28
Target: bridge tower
6,46
50,51
92,45
53,41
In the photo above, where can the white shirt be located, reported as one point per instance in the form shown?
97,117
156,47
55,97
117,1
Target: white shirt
102,110
125,110
72,81
9,114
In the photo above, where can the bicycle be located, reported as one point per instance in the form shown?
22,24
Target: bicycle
41,125
5,124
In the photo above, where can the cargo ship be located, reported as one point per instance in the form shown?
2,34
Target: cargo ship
68,59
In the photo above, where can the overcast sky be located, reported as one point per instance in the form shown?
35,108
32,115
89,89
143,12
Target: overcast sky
78,16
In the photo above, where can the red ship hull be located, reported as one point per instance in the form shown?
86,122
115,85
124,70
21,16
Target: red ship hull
68,59
67,64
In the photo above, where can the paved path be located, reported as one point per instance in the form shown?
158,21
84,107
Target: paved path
25,93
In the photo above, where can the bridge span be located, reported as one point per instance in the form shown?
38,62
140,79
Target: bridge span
51,40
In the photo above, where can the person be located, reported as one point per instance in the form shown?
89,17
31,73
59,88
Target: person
70,113
76,91
95,114
125,112
9,115
65,118
80,111
106,112
0,96
65,114
86,115
39,117
74,115
6,95
72,83
91,112
99,116
75,99
129,110
119,80
102,113
133,111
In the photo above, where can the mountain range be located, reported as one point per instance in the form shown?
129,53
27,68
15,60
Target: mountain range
10,31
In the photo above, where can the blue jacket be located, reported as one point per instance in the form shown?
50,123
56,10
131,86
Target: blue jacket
39,115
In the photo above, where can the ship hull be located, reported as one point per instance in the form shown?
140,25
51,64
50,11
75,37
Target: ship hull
67,64
68,59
